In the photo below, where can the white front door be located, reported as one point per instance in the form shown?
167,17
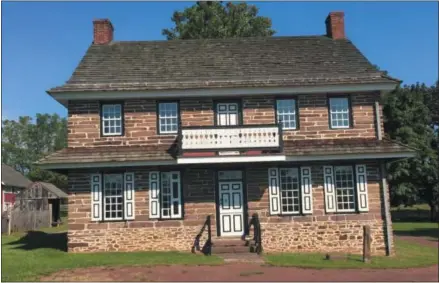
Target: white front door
231,208
227,114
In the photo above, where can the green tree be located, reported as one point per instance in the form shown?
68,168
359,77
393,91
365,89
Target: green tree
24,142
408,120
218,20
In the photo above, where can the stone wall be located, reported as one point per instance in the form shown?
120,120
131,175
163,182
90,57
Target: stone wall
141,121
317,232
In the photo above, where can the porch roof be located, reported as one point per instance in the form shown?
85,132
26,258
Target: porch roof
343,146
163,155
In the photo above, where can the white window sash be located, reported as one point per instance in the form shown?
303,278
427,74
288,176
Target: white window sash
347,112
280,194
104,106
104,199
162,116
291,112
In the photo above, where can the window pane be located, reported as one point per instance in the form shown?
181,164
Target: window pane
339,108
113,196
286,113
112,119
168,117
344,188
289,186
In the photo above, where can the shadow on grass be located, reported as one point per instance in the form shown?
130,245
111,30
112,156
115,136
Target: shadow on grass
413,215
420,232
39,240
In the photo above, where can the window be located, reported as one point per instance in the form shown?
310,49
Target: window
289,189
168,117
165,195
113,197
344,188
339,112
286,113
112,119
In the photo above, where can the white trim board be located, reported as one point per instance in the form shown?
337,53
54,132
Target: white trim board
228,159
231,159
225,92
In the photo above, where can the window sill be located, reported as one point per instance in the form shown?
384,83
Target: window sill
113,135
167,134
340,128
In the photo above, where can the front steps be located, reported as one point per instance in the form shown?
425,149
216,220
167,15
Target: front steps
229,246
235,250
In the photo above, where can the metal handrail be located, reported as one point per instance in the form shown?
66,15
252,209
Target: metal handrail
207,248
257,233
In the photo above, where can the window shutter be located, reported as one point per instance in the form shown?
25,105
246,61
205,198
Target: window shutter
128,199
96,197
305,173
154,191
328,175
273,190
363,203
176,194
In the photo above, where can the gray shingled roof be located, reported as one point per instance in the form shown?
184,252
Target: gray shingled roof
259,61
53,189
13,178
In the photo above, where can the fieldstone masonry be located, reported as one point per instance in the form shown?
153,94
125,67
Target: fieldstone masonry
317,232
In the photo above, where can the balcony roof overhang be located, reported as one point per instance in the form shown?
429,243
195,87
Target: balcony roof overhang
231,159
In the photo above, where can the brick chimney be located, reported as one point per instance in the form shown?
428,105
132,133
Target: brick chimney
102,31
335,25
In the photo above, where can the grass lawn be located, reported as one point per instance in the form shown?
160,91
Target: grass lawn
23,261
407,255
38,253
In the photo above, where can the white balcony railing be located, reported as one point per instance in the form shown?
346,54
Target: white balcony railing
234,137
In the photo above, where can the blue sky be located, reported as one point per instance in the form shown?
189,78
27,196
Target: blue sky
42,42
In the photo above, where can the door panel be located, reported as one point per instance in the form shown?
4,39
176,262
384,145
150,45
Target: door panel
231,208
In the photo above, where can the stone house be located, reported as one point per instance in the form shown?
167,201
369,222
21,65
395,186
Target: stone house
163,134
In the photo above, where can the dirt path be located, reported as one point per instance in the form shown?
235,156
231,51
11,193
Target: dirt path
241,272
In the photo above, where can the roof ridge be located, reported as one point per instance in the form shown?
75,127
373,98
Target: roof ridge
223,39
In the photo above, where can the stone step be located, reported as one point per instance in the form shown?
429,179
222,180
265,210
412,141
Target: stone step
230,249
228,242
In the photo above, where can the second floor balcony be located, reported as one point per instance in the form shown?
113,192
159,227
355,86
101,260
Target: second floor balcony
230,138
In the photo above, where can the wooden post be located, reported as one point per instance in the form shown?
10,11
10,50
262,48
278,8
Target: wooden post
366,243
50,215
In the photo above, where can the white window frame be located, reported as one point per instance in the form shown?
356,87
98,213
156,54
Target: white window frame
353,188
157,194
334,100
282,212
104,197
106,107
163,116
292,112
